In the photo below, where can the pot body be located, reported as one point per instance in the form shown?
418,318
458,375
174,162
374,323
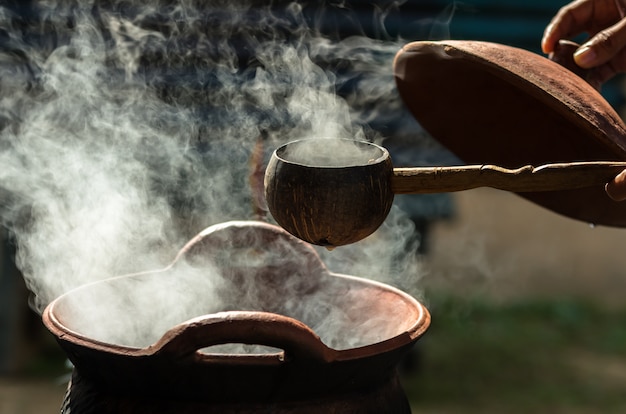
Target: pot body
384,394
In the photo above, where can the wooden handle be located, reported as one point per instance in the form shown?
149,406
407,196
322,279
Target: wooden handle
549,177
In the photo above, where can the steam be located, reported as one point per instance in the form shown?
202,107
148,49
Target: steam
235,278
126,128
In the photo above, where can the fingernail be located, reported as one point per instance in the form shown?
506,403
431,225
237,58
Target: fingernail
613,194
616,189
585,57
544,40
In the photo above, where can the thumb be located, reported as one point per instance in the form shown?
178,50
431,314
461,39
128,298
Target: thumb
602,47
616,188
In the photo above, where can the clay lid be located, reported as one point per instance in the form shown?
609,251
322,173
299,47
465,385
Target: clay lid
495,104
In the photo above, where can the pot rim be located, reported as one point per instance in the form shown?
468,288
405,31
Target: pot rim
416,330
290,330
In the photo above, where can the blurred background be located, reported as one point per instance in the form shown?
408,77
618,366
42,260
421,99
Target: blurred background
527,306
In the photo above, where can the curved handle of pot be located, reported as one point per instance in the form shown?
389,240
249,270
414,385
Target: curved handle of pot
233,235
254,328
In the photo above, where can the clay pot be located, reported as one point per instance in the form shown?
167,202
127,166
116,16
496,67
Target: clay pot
335,340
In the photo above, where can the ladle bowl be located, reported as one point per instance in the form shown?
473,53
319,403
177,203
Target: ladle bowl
333,192
329,192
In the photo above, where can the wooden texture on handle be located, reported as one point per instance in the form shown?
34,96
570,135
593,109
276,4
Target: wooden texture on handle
549,177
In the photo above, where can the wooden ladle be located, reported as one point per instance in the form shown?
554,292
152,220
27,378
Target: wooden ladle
333,192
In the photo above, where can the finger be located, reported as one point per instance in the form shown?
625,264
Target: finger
602,73
616,189
569,21
602,47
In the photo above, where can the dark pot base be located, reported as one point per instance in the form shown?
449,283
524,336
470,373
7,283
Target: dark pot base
85,398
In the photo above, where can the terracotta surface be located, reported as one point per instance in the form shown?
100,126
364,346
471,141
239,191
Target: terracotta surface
495,104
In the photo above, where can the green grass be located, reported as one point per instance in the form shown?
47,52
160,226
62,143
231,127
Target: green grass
532,356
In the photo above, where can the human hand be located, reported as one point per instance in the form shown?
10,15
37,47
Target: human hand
604,52
603,21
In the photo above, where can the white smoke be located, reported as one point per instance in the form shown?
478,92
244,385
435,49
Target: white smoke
126,128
